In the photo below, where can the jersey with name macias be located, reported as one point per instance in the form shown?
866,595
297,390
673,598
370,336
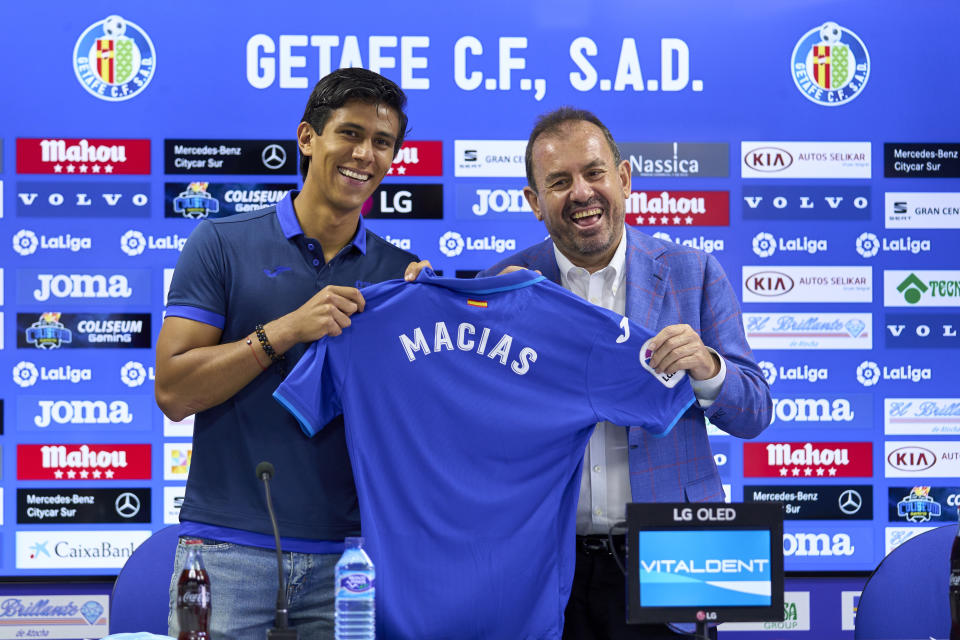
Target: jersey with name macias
468,404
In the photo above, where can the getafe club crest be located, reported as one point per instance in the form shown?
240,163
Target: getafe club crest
830,65
114,59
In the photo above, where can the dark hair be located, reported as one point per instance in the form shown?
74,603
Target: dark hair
551,123
343,85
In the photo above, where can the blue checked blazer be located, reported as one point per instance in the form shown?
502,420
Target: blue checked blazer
670,284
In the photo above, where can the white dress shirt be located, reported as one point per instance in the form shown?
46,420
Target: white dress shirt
605,483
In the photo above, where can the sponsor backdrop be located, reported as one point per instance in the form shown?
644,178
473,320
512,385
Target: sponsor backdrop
838,225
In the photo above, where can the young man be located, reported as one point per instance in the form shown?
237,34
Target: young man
577,188
249,293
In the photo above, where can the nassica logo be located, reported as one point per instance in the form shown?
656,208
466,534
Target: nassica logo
114,59
830,65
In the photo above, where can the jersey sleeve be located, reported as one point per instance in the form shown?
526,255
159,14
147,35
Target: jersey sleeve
197,289
624,388
309,393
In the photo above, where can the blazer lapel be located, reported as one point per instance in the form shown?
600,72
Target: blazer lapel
646,279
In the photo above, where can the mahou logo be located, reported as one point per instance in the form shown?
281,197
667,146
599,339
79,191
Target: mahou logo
83,462
678,208
83,156
418,158
807,459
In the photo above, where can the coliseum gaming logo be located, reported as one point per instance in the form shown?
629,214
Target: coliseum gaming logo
196,202
830,65
114,59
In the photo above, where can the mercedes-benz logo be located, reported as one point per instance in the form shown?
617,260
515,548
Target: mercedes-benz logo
273,156
127,505
850,501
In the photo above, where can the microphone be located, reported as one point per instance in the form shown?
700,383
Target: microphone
281,630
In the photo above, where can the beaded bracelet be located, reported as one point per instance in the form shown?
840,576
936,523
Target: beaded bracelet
268,348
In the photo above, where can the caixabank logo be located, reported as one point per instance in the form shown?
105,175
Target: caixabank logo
54,330
26,242
114,59
830,65
77,549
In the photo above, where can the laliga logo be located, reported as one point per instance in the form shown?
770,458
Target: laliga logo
114,59
133,374
764,245
451,244
868,373
25,374
133,243
868,244
25,242
769,371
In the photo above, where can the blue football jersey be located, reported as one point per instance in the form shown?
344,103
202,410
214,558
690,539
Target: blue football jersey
468,405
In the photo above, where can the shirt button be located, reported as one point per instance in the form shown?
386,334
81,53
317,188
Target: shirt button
597,511
316,262
310,246
596,468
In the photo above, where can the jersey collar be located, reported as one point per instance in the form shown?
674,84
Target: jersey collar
490,284
291,228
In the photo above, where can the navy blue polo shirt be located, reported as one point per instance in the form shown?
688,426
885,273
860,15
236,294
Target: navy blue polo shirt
233,273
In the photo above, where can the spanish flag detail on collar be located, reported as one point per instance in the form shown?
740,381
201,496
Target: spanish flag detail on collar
477,303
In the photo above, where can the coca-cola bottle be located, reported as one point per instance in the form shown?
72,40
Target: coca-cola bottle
193,596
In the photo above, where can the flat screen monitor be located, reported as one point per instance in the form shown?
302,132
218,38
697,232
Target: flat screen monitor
704,562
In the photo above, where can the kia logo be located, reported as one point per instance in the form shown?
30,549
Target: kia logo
769,283
768,159
911,459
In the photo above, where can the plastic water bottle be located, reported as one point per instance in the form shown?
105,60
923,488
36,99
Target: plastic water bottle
355,593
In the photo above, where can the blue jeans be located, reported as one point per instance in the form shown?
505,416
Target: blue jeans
243,591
